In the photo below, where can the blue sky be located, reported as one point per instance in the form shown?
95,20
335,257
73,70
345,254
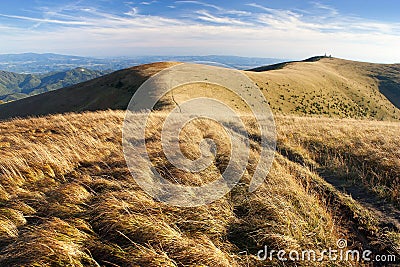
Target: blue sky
360,30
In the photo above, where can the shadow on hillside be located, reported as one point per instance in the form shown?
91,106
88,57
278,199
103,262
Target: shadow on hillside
390,87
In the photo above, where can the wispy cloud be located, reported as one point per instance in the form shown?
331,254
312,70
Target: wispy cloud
206,16
148,3
331,11
133,12
200,3
44,20
238,12
328,19
220,11
256,30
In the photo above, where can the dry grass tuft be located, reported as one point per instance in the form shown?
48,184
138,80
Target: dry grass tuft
366,152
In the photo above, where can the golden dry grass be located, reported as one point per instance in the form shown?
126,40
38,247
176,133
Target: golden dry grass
68,199
331,87
364,151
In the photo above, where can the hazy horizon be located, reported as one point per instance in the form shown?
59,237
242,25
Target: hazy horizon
194,55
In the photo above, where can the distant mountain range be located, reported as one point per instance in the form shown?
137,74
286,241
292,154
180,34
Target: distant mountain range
42,63
14,86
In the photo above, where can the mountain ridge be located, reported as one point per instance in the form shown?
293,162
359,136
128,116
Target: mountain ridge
362,86
320,86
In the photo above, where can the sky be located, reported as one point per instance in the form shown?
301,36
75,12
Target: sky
362,30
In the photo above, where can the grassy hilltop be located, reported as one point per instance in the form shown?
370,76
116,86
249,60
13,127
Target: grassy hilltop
327,87
332,87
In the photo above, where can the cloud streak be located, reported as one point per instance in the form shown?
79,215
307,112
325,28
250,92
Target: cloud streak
201,4
255,30
206,16
44,20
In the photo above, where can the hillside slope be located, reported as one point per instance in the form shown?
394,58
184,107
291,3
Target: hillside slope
68,199
332,87
112,91
320,86
14,86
